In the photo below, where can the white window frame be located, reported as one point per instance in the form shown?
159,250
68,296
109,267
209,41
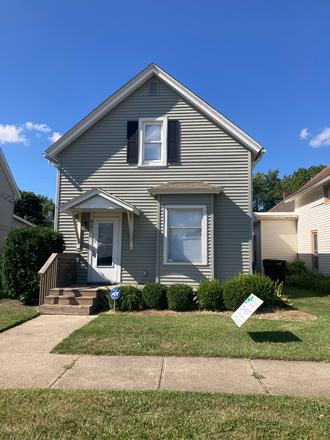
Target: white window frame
153,163
201,208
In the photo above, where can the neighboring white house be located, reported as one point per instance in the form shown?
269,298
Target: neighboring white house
8,193
155,185
298,228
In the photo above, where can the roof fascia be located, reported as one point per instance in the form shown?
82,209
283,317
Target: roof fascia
10,177
20,219
186,191
315,185
98,192
275,216
133,84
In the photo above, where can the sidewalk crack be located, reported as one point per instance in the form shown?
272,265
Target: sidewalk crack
66,368
258,377
161,374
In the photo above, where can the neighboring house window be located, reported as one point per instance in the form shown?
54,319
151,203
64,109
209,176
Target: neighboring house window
153,139
327,194
315,251
185,234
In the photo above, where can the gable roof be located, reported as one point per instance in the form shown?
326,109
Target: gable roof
9,176
283,207
115,202
133,84
320,179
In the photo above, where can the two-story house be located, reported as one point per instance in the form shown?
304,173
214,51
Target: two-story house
155,185
298,228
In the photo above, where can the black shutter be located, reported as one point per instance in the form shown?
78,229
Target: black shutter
173,141
132,141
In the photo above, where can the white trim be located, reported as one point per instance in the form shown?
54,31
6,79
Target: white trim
132,85
98,192
315,185
186,191
153,163
20,219
203,236
9,176
274,216
108,216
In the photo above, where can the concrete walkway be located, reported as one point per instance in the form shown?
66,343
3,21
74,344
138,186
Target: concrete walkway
25,362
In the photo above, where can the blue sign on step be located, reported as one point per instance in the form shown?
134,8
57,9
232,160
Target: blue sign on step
115,293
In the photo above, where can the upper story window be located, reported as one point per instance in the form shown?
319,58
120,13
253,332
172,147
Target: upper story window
152,142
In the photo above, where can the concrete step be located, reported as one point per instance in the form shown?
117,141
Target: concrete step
56,309
70,300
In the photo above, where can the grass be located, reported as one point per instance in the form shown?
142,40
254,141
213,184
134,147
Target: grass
12,317
91,414
209,335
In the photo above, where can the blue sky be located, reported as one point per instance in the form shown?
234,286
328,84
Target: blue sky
263,64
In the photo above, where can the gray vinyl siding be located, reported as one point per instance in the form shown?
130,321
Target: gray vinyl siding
6,209
257,232
207,153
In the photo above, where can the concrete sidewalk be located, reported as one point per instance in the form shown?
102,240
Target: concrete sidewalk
25,362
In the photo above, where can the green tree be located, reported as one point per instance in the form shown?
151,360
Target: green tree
303,175
37,209
267,190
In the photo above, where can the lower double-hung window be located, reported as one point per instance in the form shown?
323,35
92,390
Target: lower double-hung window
185,235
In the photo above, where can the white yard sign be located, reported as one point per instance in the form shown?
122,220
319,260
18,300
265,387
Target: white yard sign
246,310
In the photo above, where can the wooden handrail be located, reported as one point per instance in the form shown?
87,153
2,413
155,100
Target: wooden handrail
60,270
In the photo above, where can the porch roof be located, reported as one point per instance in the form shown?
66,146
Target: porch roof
97,199
185,188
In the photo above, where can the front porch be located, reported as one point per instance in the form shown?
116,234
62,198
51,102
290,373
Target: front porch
60,295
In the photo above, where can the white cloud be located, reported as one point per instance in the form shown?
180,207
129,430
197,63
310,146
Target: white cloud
12,134
321,139
38,135
55,137
38,127
304,133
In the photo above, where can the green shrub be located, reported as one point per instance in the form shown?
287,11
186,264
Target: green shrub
296,274
209,294
238,289
26,250
180,297
295,268
154,295
130,299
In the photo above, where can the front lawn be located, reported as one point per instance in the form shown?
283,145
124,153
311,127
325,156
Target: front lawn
12,317
91,414
208,335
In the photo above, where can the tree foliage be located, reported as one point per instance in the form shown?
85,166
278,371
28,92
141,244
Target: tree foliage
26,250
268,188
36,209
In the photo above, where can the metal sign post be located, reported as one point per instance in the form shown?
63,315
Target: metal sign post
115,294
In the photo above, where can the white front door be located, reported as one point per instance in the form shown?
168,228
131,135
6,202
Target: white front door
105,250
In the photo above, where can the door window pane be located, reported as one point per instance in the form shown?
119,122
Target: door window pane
105,244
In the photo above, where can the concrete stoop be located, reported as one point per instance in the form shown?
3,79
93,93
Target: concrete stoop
74,300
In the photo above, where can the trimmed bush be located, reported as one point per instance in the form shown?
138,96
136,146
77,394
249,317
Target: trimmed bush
130,299
209,294
238,289
26,250
180,297
154,295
